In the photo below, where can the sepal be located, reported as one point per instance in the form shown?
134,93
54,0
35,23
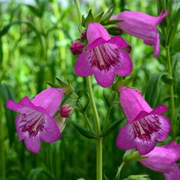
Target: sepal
120,81
67,88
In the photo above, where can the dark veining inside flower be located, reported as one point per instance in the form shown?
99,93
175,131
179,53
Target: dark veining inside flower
145,128
33,122
104,56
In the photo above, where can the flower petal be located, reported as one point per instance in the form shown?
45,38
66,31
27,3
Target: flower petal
50,131
125,138
174,174
159,110
33,143
145,147
118,41
95,31
21,135
104,78
50,99
156,45
83,66
165,128
125,65
95,43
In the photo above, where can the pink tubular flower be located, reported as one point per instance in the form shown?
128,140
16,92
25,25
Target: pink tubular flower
104,57
162,159
77,47
35,121
145,126
142,26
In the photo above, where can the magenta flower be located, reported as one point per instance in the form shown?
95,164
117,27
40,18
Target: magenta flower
77,47
145,126
142,26
104,57
35,121
162,159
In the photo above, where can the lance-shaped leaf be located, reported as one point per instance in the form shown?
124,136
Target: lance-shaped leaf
173,28
33,175
86,133
112,127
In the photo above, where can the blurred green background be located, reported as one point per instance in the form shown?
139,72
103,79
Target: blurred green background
34,49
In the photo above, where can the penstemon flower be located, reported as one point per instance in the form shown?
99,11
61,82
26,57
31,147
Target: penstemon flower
142,26
162,159
145,126
35,121
104,57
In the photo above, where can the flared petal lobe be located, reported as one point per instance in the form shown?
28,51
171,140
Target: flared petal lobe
35,121
162,159
145,126
142,26
104,57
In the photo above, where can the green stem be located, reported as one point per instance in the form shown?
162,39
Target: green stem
107,115
61,35
79,12
3,170
171,96
98,131
87,120
119,170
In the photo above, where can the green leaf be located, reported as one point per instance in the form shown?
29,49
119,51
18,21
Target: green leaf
106,100
113,126
82,130
6,28
98,18
175,60
1,52
6,94
152,89
107,15
161,37
33,175
166,78
173,28
37,12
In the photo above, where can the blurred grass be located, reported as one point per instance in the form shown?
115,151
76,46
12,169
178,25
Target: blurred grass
26,70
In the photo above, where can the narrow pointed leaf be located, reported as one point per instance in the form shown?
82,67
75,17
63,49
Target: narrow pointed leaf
112,127
153,89
173,28
106,100
98,18
33,175
86,133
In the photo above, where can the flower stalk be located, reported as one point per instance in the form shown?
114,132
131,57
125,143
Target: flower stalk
98,131
171,95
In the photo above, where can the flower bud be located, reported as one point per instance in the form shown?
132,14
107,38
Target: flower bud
114,31
83,35
67,108
127,48
131,156
61,122
138,177
77,47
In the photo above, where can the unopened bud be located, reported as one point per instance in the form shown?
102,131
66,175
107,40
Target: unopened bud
127,48
138,177
77,47
67,108
138,91
61,122
131,156
114,31
83,35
